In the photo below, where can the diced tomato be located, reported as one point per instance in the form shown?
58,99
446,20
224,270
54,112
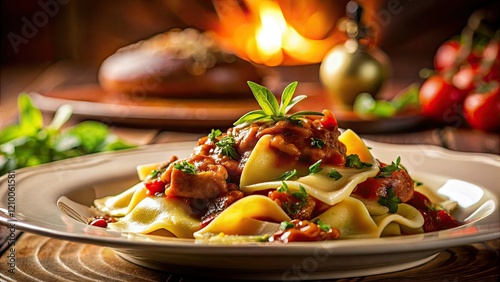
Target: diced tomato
328,121
99,223
436,220
155,186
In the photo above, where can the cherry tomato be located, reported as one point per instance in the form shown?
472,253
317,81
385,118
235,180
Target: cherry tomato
441,100
482,109
446,55
465,78
492,51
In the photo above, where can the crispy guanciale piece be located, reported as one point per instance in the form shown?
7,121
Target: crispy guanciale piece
201,185
304,231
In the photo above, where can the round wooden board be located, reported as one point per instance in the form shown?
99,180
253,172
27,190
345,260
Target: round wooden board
41,258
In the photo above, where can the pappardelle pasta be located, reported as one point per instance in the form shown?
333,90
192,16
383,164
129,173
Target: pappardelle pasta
275,177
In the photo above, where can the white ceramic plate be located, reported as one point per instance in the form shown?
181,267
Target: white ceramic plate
36,202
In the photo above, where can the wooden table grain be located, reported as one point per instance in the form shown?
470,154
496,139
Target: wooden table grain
40,258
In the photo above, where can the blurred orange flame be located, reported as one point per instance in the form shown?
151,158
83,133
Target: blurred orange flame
263,35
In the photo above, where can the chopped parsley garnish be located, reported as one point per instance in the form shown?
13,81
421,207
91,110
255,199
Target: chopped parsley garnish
355,162
214,134
301,195
317,143
284,225
391,201
294,207
333,173
225,147
153,174
270,109
387,170
283,188
315,168
185,167
323,226
287,175
417,183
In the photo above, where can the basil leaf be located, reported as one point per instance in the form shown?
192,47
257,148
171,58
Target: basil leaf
30,118
265,98
61,116
270,109
286,97
10,132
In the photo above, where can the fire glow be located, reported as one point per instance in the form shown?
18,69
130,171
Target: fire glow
265,37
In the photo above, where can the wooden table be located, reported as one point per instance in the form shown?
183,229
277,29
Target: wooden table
40,258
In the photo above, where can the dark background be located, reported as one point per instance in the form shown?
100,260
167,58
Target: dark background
88,31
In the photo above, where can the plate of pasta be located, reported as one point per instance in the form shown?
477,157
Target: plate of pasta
276,196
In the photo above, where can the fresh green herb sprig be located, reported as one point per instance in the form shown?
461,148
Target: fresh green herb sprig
301,196
153,174
31,143
294,208
391,201
270,109
225,146
387,170
185,167
214,134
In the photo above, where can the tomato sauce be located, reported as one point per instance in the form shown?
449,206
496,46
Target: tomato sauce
434,219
